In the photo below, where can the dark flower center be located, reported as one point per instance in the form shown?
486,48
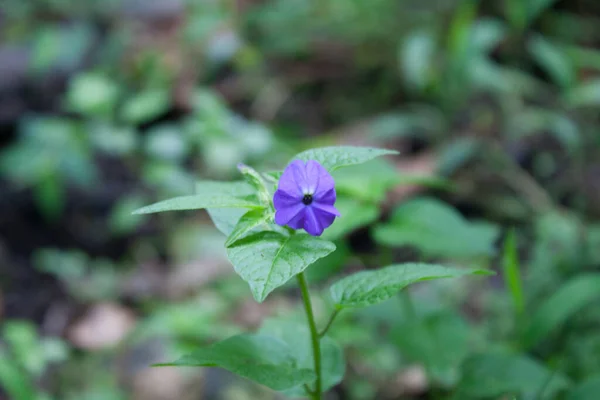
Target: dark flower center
307,199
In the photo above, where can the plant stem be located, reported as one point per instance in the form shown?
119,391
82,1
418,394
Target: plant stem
331,319
314,334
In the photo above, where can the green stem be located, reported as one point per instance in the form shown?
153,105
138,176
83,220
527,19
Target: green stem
314,334
330,322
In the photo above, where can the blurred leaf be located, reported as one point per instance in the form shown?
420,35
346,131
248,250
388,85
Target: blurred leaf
586,94
500,373
336,157
249,221
49,196
512,273
13,380
366,288
486,35
354,214
436,229
488,75
297,337
587,390
93,95
457,154
416,57
121,219
166,142
114,140
328,266
566,301
367,182
532,121
413,122
263,359
24,343
553,60
439,341
145,106
267,260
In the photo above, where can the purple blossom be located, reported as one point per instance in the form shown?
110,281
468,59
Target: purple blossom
305,197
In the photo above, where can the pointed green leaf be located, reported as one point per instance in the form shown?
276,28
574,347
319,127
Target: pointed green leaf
247,223
257,182
263,359
565,302
297,337
336,157
267,260
366,288
197,202
225,219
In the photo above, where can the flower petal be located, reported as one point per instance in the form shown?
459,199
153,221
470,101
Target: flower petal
326,208
283,199
326,218
297,222
312,223
327,197
284,215
287,180
325,181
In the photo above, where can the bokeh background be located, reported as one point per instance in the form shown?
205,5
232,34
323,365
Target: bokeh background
108,105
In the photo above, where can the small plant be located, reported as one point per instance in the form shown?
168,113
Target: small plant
267,247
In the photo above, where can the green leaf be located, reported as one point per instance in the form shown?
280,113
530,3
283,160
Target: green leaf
366,288
336,157
93,95
500,373
553,60
565,302
512,274
267,260
439,341
13,380
263,359
297,336
225,219
368,182
436,229
145,106
586,94
416,58
197,202
247,223
256,181
587,390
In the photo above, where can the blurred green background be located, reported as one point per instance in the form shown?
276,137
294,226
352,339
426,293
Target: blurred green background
109,105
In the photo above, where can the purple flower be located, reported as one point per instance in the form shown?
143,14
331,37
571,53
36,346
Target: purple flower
305,197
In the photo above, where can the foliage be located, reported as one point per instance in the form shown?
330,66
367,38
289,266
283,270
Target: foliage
111,105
